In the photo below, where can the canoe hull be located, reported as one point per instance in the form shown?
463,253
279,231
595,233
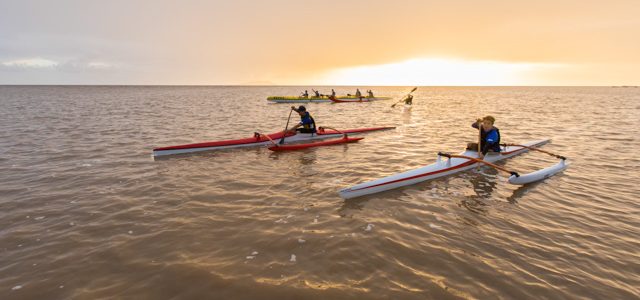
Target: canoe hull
259,141
289,99
442,167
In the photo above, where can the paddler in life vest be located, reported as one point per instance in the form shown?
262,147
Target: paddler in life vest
490,136
307,124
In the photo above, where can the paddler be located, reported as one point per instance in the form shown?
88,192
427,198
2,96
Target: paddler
408,100
370,94
358,94
305,94
333,93
489,136
317,93
307,124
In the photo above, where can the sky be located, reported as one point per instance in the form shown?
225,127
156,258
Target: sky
327,42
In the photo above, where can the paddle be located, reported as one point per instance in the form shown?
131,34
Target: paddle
284,133
479,142
394,105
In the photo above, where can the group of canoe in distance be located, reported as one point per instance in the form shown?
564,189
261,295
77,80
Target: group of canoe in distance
331,97
304,134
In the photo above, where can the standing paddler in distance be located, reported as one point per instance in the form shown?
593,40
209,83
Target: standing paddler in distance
489,136
307,124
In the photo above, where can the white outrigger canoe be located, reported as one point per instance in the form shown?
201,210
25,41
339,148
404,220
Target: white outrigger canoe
261,140
447,166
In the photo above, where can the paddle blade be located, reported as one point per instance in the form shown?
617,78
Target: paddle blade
414,89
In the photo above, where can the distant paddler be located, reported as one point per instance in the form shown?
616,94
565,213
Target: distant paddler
489,136
370,94
307,123
305,94
407,99
333,93
317,94
358,94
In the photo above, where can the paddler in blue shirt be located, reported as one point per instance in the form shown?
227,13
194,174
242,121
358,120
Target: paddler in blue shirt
489,135
307,124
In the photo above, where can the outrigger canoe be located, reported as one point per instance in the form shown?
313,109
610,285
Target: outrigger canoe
447,166
296,99
261,140
357,99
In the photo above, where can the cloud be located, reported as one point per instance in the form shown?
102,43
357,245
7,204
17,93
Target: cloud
30,63
38,63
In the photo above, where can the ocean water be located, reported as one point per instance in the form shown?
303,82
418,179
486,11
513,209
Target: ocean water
87,213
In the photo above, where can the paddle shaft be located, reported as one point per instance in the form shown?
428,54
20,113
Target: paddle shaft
284,133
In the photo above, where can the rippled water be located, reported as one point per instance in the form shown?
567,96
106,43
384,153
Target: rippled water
87,213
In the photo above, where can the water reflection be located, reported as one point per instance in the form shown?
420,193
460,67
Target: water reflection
521,191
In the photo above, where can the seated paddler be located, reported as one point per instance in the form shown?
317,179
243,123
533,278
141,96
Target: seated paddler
307,124
489,136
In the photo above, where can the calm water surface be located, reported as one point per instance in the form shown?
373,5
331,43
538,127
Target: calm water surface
87,213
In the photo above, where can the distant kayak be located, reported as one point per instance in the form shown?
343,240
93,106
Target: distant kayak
296,99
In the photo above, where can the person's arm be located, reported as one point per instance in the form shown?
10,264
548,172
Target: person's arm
293,129
476,125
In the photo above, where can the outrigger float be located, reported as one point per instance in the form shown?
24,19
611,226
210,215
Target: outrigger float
453,163
262,140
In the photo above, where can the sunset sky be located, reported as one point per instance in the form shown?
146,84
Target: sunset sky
327,42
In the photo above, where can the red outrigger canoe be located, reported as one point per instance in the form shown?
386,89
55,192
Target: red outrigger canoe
261,140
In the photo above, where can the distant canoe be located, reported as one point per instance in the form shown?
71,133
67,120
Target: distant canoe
296,99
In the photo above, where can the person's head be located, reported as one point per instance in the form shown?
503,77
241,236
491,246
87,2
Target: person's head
488,121
302,110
